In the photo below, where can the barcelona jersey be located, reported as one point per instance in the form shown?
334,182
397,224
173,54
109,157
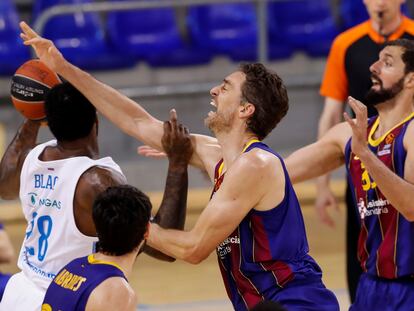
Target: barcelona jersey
70,289
268,251
386,239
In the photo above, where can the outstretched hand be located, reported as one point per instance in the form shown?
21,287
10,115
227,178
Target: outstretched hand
44,49
176,140
358,125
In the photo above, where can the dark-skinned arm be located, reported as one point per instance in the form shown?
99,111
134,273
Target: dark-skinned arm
171,214
13,159
92,182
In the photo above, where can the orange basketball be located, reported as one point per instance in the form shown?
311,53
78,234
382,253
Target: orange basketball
29,87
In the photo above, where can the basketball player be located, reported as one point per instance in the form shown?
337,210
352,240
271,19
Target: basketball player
99,281
379,157
253,219
57,183
347,74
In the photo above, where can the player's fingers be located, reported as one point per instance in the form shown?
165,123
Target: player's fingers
144,148
349,120
32,41
173,115
167,127
24,36
27,30
181,129
359,108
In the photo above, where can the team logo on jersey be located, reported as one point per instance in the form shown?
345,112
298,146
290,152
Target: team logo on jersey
32,199
224,247
374,207
390,138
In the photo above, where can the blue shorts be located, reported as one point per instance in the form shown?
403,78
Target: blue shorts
374,293
307,295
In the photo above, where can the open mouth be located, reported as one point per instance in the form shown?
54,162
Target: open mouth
212,103
376,82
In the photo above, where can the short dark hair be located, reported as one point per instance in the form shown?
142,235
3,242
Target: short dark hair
266,91
121,215
408,52
69,114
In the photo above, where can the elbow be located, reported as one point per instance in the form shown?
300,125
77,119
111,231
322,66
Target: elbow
195,256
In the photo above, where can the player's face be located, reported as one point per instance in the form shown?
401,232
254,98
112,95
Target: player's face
387,75
390,9
226,98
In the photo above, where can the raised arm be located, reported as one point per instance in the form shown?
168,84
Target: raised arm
331,116
126,114
320,157
171,214
13,159
398,191
229,205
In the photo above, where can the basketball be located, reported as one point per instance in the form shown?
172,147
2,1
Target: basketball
30,84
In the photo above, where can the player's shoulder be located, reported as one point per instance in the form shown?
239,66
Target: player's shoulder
409,133
258,159
409,25
345,39
93,181
100,178
112,294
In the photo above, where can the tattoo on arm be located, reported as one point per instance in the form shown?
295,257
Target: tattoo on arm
13,159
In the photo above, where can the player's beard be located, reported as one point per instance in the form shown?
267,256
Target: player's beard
219,122
375,97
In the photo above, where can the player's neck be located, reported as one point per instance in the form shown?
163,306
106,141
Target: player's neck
232,144
393,112
80,147
386,28
125,262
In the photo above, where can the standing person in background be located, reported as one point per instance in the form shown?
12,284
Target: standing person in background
347,74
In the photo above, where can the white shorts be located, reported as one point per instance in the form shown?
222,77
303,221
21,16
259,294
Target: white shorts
21,294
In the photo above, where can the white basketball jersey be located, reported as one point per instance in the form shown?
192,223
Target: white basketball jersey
47,192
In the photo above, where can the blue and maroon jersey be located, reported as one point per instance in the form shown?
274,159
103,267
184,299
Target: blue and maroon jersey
386,239
267,250
70,289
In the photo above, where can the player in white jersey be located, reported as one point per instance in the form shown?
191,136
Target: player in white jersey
57,183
